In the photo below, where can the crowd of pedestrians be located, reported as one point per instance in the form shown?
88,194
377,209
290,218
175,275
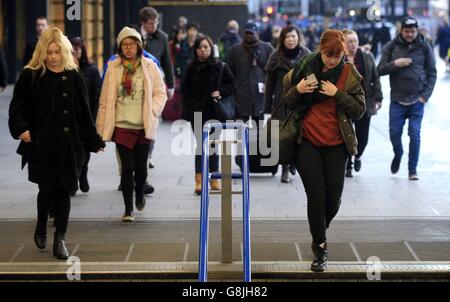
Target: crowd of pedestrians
63,109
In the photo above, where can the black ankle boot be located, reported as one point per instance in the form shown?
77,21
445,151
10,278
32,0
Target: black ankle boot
140,200
320,257
84,184
292,169
59,247
40,235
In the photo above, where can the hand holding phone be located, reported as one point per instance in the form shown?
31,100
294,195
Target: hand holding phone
311,80
308,84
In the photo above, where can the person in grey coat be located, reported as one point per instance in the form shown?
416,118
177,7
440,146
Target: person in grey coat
288,52
247,62
409,61
156,42
364,62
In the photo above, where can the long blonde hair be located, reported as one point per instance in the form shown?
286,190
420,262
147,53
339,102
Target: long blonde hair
52,35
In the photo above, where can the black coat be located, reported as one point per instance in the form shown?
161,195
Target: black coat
248,70
372,83
276,68
54,108
93,85
158,45
3,70
199,81
29,50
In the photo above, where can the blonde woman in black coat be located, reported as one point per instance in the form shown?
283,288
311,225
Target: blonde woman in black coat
49,113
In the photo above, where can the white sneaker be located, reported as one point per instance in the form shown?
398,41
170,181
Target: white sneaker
128,218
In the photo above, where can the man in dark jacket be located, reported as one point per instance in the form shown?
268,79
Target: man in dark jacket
3,71
41,26
228,39
247,61
156,42
410,62
365,64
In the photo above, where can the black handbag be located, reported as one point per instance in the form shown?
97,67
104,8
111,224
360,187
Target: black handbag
225,107
287,135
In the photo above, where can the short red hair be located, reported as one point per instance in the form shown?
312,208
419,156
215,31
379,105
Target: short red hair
332,43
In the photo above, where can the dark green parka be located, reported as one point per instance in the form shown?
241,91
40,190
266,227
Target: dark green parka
350,103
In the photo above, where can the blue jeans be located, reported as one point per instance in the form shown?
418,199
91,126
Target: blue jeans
398,114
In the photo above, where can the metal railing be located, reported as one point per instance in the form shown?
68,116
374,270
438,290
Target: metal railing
204,207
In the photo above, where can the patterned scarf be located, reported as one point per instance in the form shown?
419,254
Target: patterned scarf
129,69
313,64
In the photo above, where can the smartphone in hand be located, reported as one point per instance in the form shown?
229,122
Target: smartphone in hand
312,80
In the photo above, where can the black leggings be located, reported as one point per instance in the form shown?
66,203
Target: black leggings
362,134
213,158
134,165
322,172
84,168
59,200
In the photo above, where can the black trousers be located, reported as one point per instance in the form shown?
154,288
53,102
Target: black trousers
362,134
84,168
59,200
213,158
322,172
151,147
134,171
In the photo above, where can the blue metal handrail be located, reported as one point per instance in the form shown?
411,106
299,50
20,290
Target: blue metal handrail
204,205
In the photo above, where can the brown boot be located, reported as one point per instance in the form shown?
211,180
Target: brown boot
198,184
215,185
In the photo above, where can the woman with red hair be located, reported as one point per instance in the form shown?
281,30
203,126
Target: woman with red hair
325,94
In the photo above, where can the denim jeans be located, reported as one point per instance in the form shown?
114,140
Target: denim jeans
398,114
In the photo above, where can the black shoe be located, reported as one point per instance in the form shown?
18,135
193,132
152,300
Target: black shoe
84,184
40,235
413,176
320,253
292,169
395,165
59,247
140,202
148,188
151,165
357,164
348,173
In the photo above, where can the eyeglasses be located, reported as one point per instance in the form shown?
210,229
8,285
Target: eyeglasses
128,45
152,22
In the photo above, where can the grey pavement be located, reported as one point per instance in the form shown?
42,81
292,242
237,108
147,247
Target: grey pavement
373,193
404,250
272,240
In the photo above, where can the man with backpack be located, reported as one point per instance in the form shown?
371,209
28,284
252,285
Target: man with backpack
409,61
